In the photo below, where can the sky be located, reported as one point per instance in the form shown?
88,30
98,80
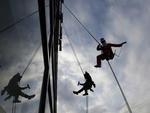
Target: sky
116,21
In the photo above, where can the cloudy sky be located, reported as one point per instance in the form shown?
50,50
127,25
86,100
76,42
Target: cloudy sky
116,21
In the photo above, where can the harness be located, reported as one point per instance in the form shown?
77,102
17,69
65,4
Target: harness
107,52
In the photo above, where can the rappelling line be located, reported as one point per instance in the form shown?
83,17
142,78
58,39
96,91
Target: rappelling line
12,107
73,51
30,61
124,97
77,62
81,23
15,108
87,104
20,20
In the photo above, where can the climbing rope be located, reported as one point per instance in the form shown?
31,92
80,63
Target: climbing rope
15,108
30,61
81,23
73,50
124,97
12,108
87,104
19,21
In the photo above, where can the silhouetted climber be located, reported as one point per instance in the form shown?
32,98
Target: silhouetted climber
14,90
87,85
106,51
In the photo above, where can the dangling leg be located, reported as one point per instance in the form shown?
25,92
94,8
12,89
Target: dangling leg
76,92
86,92
25,95
7,97
98,61
4,90
92,90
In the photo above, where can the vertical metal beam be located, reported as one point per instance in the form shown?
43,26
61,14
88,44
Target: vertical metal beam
41,6
50,96
50,44
55,50
52,24
53,53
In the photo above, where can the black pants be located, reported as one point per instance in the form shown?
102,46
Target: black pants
103,57
20,93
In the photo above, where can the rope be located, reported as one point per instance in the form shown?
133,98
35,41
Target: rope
12,107
30,61
81,23
74,52
87,105
124,97
18,21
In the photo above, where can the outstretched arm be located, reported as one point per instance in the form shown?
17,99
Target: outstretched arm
81,84
116,45
22,88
